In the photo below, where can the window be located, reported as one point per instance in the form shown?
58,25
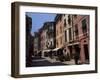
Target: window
75,16
51,27
65,36
69,20
60,17
76,30
65,22
51,44
84,26
70,34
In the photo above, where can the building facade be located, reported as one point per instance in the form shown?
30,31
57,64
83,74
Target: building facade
59,22
29,41
36,42
68,33
81,36
76,36
47,35
50,35
43,37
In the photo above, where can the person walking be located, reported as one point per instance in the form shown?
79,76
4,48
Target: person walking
76,57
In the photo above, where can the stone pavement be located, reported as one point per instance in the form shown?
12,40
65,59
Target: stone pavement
71,62
47,61
44,62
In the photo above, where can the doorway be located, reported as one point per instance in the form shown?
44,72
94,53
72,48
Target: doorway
86,51
77,49
70,50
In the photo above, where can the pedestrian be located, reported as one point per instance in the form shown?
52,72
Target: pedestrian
60,54
50,53
76,57
65,52
66,55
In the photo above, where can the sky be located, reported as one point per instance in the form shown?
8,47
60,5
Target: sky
38,19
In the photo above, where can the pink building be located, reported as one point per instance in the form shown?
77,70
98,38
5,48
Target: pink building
42,39
81,36
43,34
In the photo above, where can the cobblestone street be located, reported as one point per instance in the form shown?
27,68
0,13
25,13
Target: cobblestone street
46,61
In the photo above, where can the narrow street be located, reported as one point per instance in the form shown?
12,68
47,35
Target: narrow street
46,61
57,42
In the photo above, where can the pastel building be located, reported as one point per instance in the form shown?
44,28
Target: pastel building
47,36
68,33
76,36
81,36
50,35
59,22
43,36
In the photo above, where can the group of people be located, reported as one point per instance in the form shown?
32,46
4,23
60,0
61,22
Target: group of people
63,55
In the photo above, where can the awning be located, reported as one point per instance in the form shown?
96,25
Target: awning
46,50
55,49
72,44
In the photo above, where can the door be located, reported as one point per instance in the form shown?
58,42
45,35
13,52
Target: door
86,51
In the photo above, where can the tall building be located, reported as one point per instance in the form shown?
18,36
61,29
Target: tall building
68,33
81,36
36,42
50,35
76,36
59,22
47,34
29,40
43,37
40,39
